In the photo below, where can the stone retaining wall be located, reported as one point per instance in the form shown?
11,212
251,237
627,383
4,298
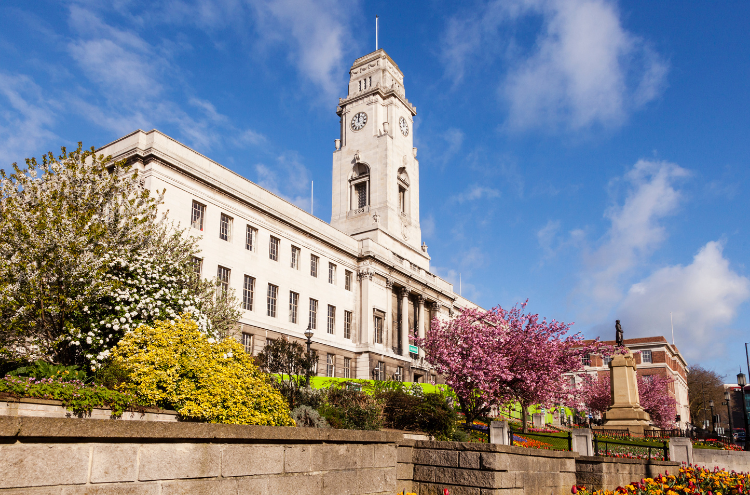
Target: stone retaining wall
43,408
85,456
607,473
724,459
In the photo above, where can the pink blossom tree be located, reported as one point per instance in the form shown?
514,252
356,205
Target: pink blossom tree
497,356
653,394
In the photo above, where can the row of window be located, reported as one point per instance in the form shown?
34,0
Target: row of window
251,235
331,366
379,372
646,358
272,300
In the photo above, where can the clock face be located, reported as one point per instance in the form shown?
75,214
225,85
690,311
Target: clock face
359,121
404,125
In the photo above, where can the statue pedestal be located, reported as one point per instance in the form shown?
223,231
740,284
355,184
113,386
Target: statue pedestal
625,411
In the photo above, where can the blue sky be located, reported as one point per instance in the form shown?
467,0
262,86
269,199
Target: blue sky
589,155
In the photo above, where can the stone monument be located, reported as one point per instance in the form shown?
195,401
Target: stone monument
625,411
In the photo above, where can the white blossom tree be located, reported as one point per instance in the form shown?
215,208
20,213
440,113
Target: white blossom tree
85,257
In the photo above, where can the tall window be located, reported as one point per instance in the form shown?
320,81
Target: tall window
293,304
586,360
347,367
360,190
223,275
248,288
399,375
197,265
313,314
347,324
199,212
247,343
225,227
646,357
402,199
347,280
331,273
250,238
331,328
378,373
607,360
314,265
273,293
378,330
330,365
273,249
295,257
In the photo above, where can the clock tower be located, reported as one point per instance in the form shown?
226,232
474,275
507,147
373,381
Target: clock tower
375,167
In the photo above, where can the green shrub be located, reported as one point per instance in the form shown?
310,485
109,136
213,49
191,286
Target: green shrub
41,369
75,395
173,364
306,416
429,413
352,409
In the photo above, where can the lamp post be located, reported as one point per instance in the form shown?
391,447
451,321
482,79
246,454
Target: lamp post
727,397
713,418
741,382
308,334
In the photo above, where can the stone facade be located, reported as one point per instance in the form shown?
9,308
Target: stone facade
380,289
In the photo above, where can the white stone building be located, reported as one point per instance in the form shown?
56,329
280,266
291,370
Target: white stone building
362,282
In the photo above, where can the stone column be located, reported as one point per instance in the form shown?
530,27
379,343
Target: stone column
404,343
365,278
388,339
499,433
420,324
582,441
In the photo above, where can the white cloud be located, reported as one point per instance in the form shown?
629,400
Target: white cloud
288,178
703,297
635,231
584,68
475,192
26,118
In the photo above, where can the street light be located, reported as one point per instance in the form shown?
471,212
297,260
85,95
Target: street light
308,334
741,382
713,418
727,397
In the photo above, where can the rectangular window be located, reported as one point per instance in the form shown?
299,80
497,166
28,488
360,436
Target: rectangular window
313,265
361,192
222,274
225,227
273,249
586,360
293,304
399,375
248,289
378,373
313,314
646,357
330,365
250,236
247,343
199,211
607,360
331,273
331,328
347,367
347,280
197,265
347,324
273,293
295,257
402,199
378,330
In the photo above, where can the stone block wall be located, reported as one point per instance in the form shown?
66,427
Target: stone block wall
724,459
487,469
84,456
607,473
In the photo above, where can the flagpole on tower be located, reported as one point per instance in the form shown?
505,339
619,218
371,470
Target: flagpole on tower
376,33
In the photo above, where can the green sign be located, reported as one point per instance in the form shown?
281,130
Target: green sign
413,349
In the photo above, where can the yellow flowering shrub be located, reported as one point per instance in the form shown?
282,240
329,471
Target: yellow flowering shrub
173,364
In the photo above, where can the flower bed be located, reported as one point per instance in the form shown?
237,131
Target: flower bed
714,444
690,481
74,395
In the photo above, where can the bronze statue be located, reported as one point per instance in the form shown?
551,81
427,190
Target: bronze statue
618,333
